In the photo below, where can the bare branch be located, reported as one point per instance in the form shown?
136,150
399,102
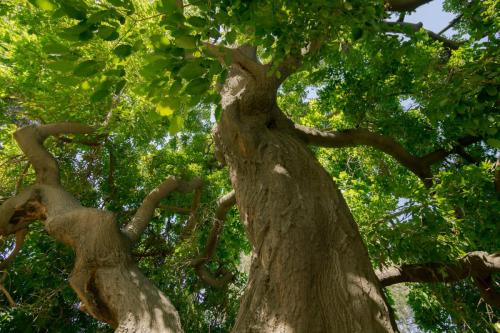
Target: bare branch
405,5
400,28
223,205
11,301
478,265
420,166
20,236
451,24
31,139
134,229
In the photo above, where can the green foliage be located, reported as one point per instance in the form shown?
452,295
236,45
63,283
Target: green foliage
140,69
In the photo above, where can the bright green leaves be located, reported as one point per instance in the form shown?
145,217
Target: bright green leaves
123,50
164,110
45,5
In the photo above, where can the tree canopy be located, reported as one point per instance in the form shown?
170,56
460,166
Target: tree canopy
404,119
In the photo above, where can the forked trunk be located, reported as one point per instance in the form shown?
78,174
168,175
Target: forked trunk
310,270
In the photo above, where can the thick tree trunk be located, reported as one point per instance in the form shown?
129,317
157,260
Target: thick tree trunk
310,270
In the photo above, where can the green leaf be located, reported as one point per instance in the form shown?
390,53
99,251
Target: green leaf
491,90
357,33
45,5
191,70
198,22
61,65
99,95
495,143
87,68
123,50
186,42
164,110
176,124
55,48
197,86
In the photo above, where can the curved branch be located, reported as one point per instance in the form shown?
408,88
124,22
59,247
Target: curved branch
134,229
31,139
224,204
360,136
405,5
401,27
420,166
478,265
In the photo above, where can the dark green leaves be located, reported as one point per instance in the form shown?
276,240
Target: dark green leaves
185,41
197,86
87,68
123,50
191,70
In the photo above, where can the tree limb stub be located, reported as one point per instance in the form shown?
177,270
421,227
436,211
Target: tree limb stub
478,265
134,229
420,166
224,204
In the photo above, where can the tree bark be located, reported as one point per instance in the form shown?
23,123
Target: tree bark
310,270
107,281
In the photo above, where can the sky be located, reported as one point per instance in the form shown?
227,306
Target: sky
432,16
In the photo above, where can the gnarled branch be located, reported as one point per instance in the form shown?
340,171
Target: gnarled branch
134,229
223,205
420,166
478,265
31,139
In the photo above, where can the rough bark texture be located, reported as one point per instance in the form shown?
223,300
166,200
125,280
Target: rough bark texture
310,270
106,279
478,265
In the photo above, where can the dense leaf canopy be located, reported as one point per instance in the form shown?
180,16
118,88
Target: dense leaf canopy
148,72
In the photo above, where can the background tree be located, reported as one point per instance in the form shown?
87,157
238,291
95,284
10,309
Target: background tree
147,81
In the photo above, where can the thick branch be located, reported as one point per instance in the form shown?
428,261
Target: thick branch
31,139
243,55
293,62
401,27
478,265
420,166
134,229
360,136
223,205
405,5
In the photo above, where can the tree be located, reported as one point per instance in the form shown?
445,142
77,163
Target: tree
118,75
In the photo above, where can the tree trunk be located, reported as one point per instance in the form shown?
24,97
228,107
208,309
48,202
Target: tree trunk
109,284
310,270
105,277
